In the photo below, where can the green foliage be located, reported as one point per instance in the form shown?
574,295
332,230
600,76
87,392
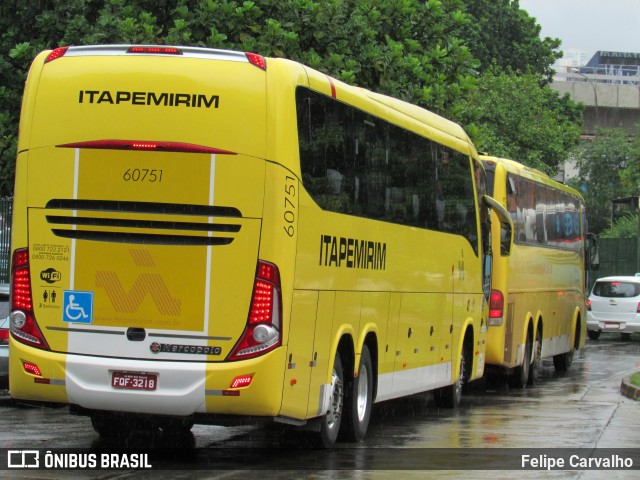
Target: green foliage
416,50
502,34
625,227
410,49
517,118
607,168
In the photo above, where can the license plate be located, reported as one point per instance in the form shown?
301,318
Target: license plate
134,381
611,325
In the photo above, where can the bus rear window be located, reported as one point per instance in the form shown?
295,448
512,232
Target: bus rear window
612,289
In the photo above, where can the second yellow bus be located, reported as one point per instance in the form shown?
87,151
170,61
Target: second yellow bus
537,307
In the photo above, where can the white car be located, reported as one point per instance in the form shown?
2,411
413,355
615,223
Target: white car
614,306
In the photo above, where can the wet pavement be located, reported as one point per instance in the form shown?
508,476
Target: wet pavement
581,409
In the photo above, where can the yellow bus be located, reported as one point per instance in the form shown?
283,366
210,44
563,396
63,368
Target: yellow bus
537,305
204,236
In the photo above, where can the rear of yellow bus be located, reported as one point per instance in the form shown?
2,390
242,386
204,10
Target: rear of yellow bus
139,277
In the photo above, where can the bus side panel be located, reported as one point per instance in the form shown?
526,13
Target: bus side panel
299,355
319,391
375,318
388,355
420,330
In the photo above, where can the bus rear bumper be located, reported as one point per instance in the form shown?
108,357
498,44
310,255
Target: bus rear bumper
178,388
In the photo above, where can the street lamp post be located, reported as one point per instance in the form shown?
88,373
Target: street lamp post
595,93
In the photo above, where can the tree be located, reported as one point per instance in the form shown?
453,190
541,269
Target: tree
513,116
503,34
606,167
410,49
624,227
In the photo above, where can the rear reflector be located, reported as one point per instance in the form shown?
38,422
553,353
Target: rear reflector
241,381
156,50
32,368
147,146
57,53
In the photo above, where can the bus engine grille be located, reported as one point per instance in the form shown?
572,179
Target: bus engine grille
143,222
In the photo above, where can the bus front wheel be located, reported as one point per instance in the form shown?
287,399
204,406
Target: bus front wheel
449,397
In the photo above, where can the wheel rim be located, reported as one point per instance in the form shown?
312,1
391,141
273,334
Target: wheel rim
458,387
526,362
363,392
335,409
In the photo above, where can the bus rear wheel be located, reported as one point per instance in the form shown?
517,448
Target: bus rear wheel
563,361
113,425
330,423
534,369
520,376
359,401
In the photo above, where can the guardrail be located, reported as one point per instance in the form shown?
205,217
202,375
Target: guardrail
599,75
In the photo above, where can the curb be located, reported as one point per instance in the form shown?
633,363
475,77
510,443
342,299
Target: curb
629,390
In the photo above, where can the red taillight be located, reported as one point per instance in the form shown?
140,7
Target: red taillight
21,282
496,307
4,336
589,305
637,308
263,330
155,50
55,54
262,303
147,146
257,60
22,319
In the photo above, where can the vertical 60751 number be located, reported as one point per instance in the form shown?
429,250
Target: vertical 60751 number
289,215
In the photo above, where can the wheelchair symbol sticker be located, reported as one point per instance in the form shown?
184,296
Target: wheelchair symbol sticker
77,306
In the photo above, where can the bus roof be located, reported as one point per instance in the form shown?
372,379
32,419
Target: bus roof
527,172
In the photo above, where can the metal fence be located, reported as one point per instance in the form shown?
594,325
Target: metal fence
6,205
618,256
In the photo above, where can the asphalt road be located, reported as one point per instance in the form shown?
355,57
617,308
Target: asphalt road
579,410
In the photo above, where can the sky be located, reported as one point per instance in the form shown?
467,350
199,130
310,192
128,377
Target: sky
589,25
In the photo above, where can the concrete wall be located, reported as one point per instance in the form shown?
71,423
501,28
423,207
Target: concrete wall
606,105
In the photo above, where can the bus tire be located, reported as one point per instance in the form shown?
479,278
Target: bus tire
534,369
593,334
520,376
359,401
450,396
331,421
563,361
110,425
175,426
